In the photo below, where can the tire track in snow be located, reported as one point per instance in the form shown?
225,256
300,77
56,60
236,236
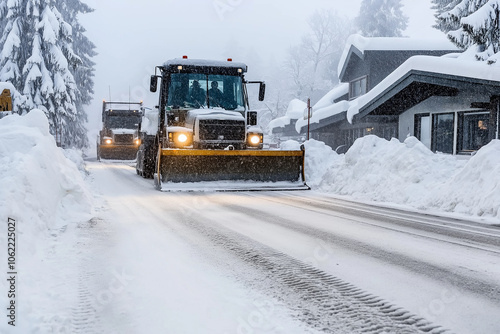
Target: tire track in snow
85,314
321,300
479,235
475,285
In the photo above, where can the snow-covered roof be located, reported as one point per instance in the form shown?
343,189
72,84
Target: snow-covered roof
455,67
334,94
319,115
279,122
473,70
205,62
363,44
326,107
295,110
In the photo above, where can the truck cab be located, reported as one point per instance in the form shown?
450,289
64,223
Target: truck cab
205,103
119,137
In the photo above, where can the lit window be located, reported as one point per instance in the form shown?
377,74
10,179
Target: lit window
473,131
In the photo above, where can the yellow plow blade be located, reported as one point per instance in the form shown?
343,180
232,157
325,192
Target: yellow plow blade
192,165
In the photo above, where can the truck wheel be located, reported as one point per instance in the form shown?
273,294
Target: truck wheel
148,170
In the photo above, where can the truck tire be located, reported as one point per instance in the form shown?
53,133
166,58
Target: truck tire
148,167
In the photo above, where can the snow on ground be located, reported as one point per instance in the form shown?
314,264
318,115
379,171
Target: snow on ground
409,174
38,184
75,256
43,192
43,189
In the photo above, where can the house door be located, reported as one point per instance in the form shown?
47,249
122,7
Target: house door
443,132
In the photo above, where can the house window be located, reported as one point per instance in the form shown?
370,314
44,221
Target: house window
473,132
358,87
443,132
423,129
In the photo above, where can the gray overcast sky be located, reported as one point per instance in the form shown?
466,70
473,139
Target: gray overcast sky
134,36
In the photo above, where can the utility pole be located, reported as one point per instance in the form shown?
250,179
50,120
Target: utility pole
308,116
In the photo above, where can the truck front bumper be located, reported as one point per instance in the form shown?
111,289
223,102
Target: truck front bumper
117,152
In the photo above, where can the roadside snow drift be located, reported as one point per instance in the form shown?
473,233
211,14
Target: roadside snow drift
38,184
408,173
43,192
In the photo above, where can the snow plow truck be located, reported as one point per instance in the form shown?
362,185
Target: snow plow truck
119,137
206,137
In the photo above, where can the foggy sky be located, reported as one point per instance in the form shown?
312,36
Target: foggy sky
132,37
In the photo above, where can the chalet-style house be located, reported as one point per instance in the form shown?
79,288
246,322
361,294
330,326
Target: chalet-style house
400,87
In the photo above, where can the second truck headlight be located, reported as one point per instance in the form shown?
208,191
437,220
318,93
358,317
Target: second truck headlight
180,139
255,139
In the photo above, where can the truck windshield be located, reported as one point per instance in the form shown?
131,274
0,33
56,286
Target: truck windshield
122,122
195,90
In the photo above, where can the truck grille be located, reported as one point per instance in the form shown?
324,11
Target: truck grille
124,139
215,129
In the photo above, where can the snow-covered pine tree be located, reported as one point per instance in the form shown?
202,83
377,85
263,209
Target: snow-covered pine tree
441,6
473,25
11,41
38,57
381,18
84,49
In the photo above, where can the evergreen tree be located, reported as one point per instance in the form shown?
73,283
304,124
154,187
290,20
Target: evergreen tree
381,18
473,25
441,6
11,41
83,48
38,57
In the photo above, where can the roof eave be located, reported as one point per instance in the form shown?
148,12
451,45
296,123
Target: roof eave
435,84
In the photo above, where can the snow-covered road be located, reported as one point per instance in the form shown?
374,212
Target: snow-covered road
276,262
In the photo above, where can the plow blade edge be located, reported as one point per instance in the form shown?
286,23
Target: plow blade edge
190,165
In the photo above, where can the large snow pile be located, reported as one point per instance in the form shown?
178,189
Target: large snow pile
42,191
474,189
38,183
319,157
409,174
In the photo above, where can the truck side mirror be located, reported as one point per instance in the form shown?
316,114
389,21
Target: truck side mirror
153,85
252,118
262,91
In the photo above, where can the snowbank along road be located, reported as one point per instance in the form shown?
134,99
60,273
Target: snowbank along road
276,262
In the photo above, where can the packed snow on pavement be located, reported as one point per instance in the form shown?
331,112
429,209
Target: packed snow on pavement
409,175
48,194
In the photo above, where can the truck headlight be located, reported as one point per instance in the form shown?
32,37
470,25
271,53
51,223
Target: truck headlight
108,141
137,141
180,139
255,139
